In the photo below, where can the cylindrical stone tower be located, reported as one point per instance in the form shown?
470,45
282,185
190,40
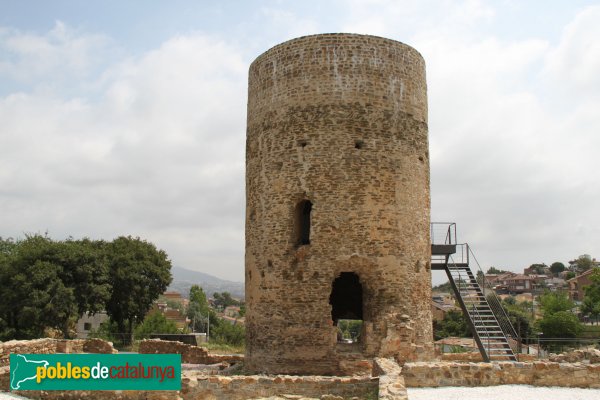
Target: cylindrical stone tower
337,205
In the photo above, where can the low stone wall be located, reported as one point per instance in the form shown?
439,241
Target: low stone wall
47,346
391,381
476,357
195,385
539,373
98,346
51,346
590,355
189,354
37,346
248,387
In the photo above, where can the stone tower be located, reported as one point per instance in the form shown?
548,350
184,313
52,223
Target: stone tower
337,204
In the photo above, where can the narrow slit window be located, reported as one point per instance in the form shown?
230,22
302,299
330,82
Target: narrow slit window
303,211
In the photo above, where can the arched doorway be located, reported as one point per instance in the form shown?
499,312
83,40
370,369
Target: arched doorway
346,301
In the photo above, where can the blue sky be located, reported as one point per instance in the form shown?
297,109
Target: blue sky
129,118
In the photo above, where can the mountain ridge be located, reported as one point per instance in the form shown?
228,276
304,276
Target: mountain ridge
184,278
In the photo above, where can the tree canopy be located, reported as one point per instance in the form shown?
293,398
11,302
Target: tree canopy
581,263
453,324
558,320
138,273
557,267
494,270
198,310
553,302
591,301
155,322
49,284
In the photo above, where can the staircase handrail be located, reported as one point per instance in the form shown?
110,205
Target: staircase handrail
496,304
475,311
443,229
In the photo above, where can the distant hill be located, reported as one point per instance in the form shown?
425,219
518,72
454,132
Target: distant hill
183,279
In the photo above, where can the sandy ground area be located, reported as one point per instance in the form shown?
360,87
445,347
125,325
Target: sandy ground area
503,392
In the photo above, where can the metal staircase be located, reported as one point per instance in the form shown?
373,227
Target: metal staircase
495,336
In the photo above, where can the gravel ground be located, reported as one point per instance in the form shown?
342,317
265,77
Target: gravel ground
503,392
9,396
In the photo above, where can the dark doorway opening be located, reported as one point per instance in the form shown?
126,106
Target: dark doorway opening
346,301
346,297
302,222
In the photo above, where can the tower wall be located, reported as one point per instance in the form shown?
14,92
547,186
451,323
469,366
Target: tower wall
340,121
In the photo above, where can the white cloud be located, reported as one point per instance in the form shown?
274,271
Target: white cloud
403,18
514,167
287,24
574,64
61,54
153,145
513,127
158,153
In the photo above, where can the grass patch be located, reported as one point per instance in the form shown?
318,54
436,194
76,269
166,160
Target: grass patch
224,348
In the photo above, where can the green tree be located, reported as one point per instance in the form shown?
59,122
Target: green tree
562,324
557,267
76,278
558,320
519,315
591,301
538,269
223,300
6,249
453,324
494,270
85,270
553,302
223,332
350,328
155,322
34,294
581,264
198,310
139,273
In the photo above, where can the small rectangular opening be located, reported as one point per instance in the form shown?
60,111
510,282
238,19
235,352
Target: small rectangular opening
349,330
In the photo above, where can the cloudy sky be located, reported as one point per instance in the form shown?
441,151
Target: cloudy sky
128,118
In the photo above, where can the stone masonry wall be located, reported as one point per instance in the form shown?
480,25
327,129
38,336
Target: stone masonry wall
47,346
391,381
51,346
339,120
195,385
539,373
189,353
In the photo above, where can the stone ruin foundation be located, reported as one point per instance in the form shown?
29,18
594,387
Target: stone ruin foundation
337,205
205,377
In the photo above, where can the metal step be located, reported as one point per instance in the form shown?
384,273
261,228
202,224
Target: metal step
487,332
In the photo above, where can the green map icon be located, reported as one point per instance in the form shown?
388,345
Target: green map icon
23,369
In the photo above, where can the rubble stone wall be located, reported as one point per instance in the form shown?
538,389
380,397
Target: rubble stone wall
195,385
51,346
391,381
189,353
539,373
339,120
